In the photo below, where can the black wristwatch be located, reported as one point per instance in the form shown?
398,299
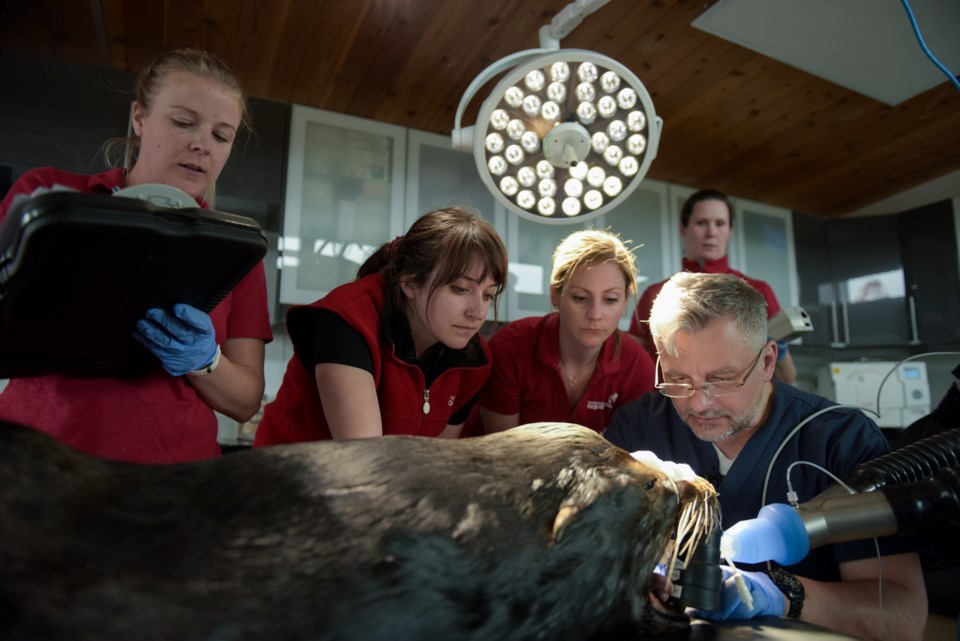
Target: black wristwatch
791,588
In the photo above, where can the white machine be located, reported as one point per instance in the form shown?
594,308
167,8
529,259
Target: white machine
789,323
905,396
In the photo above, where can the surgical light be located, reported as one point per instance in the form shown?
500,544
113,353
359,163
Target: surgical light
566,134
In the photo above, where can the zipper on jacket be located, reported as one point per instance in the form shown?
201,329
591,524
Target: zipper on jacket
426,401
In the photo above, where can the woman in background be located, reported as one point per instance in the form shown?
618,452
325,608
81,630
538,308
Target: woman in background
187,112
571,365
397,351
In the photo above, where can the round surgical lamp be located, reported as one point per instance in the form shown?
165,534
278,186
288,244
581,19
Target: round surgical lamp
565,136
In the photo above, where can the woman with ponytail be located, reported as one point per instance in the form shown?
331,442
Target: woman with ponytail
396,351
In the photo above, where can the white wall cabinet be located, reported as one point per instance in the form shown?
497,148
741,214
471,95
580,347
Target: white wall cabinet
344,198
353,184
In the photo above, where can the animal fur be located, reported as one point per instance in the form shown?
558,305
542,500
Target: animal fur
542,532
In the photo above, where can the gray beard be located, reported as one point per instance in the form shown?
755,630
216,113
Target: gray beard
737,423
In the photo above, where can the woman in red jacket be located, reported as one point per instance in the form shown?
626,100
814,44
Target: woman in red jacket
397,351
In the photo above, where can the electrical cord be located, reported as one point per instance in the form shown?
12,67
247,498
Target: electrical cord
923,45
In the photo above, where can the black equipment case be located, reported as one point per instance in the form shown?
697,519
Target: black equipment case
78,270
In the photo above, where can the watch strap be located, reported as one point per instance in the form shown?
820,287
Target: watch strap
792,589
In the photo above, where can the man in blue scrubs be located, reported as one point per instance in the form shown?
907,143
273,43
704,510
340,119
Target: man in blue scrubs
719,410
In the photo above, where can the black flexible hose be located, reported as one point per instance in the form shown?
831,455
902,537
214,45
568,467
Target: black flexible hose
909,464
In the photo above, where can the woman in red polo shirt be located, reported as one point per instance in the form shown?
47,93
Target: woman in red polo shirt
188,111
571,365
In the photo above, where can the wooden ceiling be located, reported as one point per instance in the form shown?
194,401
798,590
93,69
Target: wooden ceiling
733,119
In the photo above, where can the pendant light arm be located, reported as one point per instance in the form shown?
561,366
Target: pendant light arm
566,21
462,137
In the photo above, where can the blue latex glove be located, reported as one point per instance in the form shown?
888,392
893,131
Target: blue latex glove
768,600
184,341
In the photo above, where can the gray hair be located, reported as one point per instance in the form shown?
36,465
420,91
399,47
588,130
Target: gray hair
688,302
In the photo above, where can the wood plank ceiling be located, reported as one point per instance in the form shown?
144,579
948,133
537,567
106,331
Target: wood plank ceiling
733,119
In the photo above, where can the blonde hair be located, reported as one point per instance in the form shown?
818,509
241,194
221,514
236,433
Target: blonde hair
592,247
123,152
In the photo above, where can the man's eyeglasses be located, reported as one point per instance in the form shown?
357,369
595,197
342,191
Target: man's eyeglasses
713,388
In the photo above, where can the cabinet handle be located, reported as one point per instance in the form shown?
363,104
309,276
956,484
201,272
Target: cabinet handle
914,333
836,342
846,322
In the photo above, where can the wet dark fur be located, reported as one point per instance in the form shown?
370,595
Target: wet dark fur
392,538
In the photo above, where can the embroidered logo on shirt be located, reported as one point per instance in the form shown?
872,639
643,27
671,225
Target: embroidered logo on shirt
600,405
452,399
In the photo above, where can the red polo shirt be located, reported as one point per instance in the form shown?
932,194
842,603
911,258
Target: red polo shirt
526,377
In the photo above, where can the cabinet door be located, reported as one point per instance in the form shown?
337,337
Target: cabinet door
530,247
766,236
868,276
440,176
817,292
344,198
644,223
928,241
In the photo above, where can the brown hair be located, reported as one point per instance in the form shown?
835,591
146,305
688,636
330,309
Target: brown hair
699,197
450,240
123,152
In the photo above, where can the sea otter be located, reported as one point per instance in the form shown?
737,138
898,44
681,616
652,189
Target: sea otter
544,531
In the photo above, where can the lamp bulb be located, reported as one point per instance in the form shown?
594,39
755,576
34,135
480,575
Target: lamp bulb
606,106
545,169
610,81
627,98
585,92
636,144
596,176
587,72
513,96
559,71
534,80
571,206
526,199
579,170
547,206
636,121
527,176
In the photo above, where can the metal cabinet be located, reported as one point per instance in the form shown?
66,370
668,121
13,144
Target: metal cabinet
852,282
928,243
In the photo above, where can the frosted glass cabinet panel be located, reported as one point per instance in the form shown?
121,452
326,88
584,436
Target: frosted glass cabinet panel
643,222
344,199
440,176
769,254
530,247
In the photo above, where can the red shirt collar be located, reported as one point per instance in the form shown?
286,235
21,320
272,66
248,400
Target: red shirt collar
718,266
